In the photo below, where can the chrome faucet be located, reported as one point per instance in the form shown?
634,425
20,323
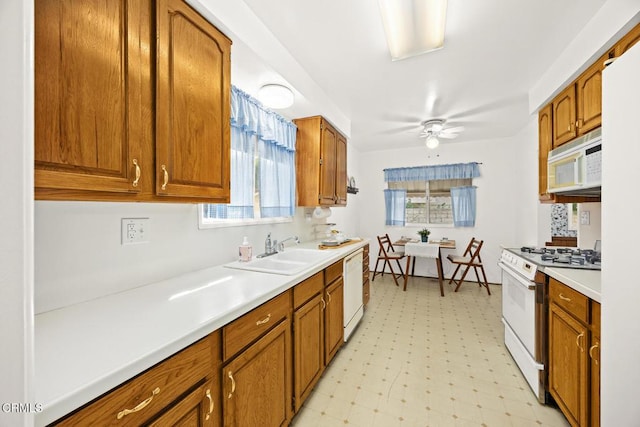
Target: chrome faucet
281,244
270,247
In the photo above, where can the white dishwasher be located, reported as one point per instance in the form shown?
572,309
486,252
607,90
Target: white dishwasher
352,273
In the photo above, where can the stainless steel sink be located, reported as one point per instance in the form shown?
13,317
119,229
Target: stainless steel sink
289,262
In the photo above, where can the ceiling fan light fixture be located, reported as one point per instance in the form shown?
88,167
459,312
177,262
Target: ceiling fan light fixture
276,96
432,142
413,27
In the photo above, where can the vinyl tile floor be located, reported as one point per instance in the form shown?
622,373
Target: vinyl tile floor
418,359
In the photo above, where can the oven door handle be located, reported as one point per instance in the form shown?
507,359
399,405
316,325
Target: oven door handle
526,283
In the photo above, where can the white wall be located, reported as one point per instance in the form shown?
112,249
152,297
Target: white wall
16,210
78,254
498,187
347,219
589,233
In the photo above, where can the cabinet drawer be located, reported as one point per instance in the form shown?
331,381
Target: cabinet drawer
243,331
158,386
572,301
332,272
304,291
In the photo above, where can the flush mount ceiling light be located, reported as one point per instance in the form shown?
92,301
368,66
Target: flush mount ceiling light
432,142
413,27
275,96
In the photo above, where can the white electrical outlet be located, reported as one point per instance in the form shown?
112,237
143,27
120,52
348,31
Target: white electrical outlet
135,230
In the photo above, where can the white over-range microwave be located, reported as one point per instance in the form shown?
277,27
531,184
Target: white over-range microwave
575,168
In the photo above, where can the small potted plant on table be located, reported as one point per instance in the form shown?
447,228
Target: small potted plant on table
424,234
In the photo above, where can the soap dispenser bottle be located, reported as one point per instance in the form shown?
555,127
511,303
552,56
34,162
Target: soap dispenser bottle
245,250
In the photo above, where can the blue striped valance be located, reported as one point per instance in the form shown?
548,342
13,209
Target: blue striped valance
432,173
248,114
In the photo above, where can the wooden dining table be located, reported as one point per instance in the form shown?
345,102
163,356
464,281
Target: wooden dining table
414,248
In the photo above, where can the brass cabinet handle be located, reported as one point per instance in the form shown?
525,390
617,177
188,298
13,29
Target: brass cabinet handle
324,304
165,178
233,384
563,298
135,181
578,342
328,298
208,394
591,353
140,405
579,123
263,321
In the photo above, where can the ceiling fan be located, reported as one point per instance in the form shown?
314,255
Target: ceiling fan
435,129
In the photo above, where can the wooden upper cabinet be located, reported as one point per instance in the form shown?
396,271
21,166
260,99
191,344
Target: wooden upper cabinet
545,137
564,116
96,64
328,143
341,170
192,105
589,97
625,43
89,94
321,163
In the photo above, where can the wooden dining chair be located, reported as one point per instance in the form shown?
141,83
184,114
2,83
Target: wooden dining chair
470,258
387,254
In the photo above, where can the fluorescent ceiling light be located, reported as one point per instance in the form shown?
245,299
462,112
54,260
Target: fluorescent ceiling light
275,96
413,27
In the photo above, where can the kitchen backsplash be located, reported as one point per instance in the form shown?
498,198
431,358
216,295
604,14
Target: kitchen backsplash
560,221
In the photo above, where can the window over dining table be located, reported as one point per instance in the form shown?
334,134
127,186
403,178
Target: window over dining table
431,195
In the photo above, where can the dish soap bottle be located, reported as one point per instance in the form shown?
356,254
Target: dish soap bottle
245,250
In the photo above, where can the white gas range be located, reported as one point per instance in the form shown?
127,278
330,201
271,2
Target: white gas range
525,304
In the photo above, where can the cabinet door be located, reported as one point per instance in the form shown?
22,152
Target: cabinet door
630,39
594,356
257,383
589,97
192,105
568,365
328,141
196,409
341,170
545,138
88,84
308,338
334,324
564,116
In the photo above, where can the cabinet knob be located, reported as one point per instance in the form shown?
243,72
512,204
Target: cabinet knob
208,394
578,342
593,347
165,178
140,405
138,173
233,384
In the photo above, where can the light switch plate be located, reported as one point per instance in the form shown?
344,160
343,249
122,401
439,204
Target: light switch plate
584,218
135,230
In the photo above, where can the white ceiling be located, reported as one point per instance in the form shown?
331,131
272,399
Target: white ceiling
494,52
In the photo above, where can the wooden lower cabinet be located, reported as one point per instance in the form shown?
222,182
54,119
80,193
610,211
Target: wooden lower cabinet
182,388
197,408
574,353
568,365
333,319
257,382
308,354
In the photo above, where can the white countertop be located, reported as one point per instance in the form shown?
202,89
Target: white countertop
587,282
84,350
